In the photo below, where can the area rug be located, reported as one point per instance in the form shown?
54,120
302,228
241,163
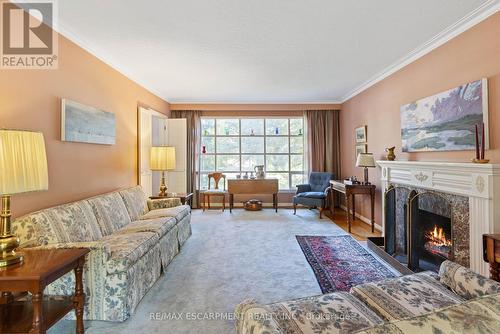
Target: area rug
340,262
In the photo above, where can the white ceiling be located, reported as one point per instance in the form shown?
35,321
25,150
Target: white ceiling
259,50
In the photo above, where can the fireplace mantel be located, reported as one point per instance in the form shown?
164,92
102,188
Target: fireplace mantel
479,182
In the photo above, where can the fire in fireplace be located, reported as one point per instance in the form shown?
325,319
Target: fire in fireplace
436,242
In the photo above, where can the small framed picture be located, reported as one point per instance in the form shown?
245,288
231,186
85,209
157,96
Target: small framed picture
360,133
360,148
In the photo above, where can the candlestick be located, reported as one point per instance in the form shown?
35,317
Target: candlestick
482,144
477,144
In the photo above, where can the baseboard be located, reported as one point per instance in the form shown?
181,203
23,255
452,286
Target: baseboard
362,218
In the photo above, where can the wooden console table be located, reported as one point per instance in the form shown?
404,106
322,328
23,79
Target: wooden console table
491,254
39,269
350,191
252,187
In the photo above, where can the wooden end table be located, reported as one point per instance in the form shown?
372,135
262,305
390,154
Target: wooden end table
184,197
39,269
350,191
491,254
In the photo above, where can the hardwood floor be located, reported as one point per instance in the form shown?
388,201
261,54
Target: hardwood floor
360,230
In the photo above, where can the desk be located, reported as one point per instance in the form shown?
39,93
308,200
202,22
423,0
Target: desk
350,191
186,198
491,254
252,187
39,269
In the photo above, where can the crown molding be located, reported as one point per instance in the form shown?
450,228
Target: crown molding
72,37
478,15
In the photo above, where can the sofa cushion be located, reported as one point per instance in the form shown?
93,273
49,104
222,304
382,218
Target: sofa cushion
465,282
126,248
312,194
135,201
480,315
406,296
164,203
177,212
73,222
110,212
337,312
160,226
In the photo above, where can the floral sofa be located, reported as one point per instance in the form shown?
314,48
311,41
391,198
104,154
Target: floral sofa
455,301
132,239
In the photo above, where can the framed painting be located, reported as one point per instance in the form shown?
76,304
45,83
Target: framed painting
446,121
360,148
84,124
360,134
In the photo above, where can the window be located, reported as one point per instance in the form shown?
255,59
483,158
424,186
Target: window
235,145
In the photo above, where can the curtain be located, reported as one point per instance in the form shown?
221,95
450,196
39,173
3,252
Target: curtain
323,141
193,123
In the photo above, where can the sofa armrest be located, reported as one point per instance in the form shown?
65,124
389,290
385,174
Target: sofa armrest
252,318
465,282
303,188
164,203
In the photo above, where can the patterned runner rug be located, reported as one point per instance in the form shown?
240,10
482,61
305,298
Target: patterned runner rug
340,262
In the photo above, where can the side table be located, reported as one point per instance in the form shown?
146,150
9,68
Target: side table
39,269
491,254
186,198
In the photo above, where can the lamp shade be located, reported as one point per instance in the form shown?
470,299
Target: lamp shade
365,160
23,162
162,158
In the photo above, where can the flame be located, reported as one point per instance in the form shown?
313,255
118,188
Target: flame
437,237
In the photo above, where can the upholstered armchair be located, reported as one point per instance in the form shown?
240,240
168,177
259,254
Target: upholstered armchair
315,193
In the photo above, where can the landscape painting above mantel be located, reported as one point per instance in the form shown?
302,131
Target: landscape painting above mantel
446,121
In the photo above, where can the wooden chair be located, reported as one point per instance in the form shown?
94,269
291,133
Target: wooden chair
215,191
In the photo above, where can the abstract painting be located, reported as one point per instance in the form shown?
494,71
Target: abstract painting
446,121
81,123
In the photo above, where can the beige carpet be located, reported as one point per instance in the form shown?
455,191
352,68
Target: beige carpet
229,258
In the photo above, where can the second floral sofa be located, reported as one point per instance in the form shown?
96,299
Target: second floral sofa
455,301
132,239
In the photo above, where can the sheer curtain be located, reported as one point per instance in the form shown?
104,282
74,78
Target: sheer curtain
323,141
193,123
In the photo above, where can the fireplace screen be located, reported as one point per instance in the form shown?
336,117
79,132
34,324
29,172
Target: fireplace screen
430,240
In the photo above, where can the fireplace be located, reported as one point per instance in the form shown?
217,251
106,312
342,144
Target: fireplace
430,240
419,230
472,190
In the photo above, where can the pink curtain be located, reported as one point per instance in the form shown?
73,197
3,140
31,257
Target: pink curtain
323,141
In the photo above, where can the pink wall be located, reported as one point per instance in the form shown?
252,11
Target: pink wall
31,99
470,56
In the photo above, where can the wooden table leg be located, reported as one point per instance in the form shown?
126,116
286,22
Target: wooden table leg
372,197
348,206
495,271
332,202
37,325
231,202
223,203
275,202
79,298
353,208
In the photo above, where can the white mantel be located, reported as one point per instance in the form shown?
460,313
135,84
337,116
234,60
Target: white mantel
479,182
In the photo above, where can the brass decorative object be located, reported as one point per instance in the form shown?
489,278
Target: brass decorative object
23,169
480,161
390,153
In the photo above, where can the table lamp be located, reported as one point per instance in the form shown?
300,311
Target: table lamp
162,159
365,160
23,168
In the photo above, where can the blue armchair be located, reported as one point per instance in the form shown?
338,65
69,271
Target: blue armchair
315,193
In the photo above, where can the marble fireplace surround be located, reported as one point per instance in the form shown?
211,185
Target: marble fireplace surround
480,183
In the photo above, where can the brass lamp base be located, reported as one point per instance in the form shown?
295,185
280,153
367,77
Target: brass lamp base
8,241
163,187
10,259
